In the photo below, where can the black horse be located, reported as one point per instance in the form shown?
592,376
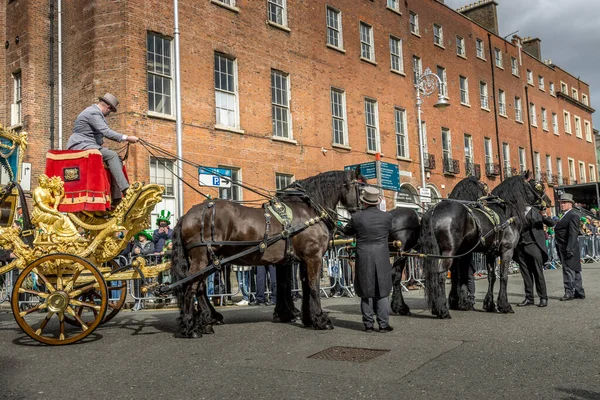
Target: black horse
452,229
224,222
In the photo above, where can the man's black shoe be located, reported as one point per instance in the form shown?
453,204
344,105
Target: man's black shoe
566,297
580,296
386,329
543,303
525,303
369,330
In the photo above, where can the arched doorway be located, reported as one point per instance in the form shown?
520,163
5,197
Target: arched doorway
435,193
407,197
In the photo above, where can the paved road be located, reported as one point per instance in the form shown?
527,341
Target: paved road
550,353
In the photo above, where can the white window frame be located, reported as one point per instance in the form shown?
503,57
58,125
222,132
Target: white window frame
532,115
372,126
396,57
571,165
413,22
226,98
281,116
549,167
514,66
592,172
483,95
506,156
584,99
163,102
230,3
394,5
501,102
461,50
488,151
283,180
555,123
530,77
564,88
339,118
480,48
582,172
544,119
417,68
468,144
588,130
578,132
438,35
446,152
575,94
367,42
567,121
277,12
464,90
537,168
235,192
498,58
541,84
401,128
522,160
551,86
333,17
444,78
518,110
16,107
161,173
559,171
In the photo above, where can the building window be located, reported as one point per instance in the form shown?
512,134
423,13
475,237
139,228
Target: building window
487,148
544,119
541,84
394,5
278,12
479,48
438,35
530,77
366,42
372,125
441,73
230,3
592,175
582,178
234,192
518,110
549,168
401,133
559,171
483,95
16,108
424,136
532,115
514,66
577,126
338,117
446,144
498,58
506,159
501,102
161,173
567,118
160,75
396,60
522,160
468,142
460,46
226,96
417,69
584,99
280,99
588,131
572,179
283,180
464,90
574,94
551,86
413,20
564,88
537,166
555,123
334,28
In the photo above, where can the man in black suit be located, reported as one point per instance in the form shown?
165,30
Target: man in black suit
373,270
566,232
531,255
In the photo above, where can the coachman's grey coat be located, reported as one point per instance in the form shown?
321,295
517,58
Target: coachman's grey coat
373,272
566,232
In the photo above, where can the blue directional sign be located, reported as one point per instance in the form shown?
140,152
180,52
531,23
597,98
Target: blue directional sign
390,176
366,169
215,171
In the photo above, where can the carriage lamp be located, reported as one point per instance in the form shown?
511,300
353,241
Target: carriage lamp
427,84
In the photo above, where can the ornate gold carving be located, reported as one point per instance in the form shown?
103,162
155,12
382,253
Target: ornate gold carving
71,174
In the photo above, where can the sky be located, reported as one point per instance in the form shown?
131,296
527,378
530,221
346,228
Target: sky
568,29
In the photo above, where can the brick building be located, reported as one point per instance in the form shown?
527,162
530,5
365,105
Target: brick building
279,90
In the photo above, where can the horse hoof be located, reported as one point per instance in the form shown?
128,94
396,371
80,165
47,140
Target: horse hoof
445,316
506,310
208,329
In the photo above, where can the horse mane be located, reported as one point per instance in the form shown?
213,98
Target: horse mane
324,188
513,191
467,189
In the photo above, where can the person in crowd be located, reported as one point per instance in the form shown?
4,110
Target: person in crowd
261,285
243,278
167,251
566,233
89,131
531,255
373,273
164,232
143,244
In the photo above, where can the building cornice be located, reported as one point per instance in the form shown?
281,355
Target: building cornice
576,103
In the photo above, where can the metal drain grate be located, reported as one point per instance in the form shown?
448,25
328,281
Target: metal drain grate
352,354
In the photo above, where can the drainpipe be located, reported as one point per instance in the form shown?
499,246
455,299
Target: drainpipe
51,73
492,62
60,86
178,108
529,129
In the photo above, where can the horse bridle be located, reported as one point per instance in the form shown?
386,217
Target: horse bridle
358,184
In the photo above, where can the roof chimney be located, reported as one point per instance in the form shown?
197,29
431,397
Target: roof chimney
482,12
533,46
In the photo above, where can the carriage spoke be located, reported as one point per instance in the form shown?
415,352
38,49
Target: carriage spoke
44,323
61,319
33,292
84,304
59,277
74,278
49,285
84,289
74,315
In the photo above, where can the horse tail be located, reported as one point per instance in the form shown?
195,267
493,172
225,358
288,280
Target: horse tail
429,245
179,260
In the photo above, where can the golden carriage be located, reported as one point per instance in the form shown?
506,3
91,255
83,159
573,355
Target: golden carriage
65,259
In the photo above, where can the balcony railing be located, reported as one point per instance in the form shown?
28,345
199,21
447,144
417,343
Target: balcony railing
550,178
451,166
473,170
510,171
560,180
492,169
429,160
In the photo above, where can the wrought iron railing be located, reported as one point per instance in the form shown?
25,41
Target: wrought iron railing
429,160
472,169
492,169
451,166
510,171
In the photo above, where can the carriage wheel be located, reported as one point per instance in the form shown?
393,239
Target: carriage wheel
114,305
61,284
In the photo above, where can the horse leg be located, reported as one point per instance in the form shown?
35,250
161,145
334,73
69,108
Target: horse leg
188,319
204,319
436,271
488,302
284,307
453,297
398,305
312,313
464,275
503,304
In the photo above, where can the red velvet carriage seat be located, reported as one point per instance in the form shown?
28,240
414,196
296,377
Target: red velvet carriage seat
87,182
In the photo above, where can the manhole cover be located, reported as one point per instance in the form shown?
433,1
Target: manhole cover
353,354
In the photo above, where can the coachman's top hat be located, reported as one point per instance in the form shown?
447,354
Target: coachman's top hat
566,197
370,195
111,100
